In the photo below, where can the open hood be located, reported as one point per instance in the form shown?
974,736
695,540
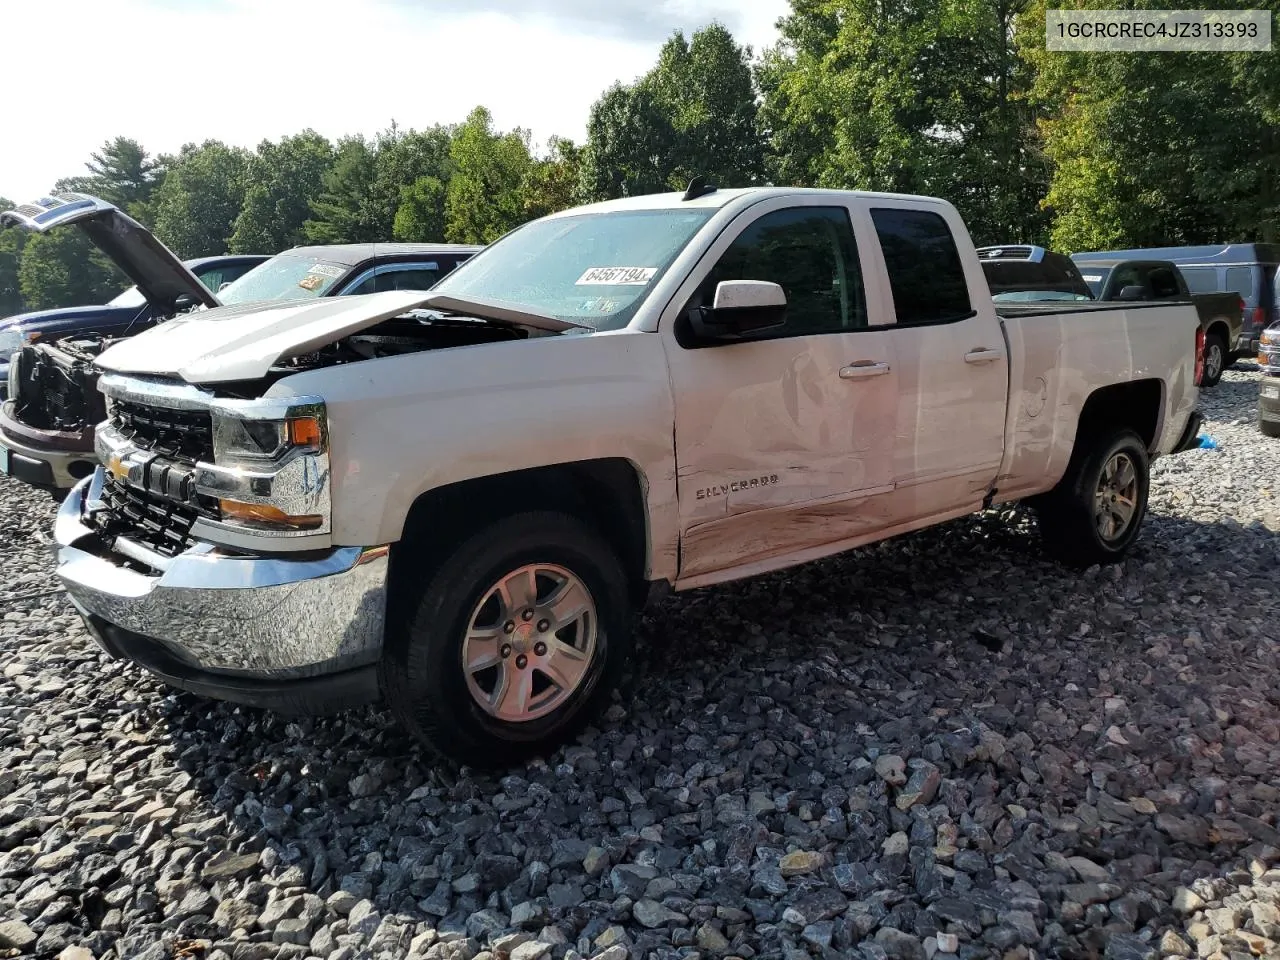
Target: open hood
243,342
161,277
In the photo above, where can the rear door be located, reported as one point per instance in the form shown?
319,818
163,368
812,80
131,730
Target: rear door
952,361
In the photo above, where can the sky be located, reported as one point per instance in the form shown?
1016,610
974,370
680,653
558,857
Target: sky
168,72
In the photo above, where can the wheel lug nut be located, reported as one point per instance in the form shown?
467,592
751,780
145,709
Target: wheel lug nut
522,661
540,649
544,626
527,616
509,627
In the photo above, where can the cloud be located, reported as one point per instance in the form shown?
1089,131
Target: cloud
636,20
168,72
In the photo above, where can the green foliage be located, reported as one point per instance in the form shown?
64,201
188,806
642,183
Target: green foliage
282,178
123,173
1155,149
490,169
694,113
201,198
63,269
420,218
12,240
920,96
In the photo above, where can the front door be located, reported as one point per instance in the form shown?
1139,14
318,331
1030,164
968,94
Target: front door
783,443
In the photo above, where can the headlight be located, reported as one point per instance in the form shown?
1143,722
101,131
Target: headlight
287,431
272,458
1270,338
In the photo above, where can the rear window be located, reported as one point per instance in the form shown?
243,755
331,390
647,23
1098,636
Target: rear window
925,270
1240,279
1055,277
1201,279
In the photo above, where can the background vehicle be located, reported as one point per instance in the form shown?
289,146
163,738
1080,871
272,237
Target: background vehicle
47,421
130,312
1221,314
1247,269
456,499
1269,385
1017,272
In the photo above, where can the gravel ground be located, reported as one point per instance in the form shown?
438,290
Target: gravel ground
940,746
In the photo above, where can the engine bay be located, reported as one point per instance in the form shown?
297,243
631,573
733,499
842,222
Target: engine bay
57,385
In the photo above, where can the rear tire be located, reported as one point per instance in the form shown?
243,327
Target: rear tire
1215,359
538,597
1095,513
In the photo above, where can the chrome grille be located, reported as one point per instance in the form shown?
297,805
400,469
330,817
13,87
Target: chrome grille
180,434
156,522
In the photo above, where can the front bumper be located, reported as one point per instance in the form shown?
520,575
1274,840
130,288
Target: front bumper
290,633
46,467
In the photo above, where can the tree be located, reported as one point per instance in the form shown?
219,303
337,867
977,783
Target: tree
200,200
485,194
921,96
1146,147
282,179
552,181
62,268
420,217
123,173
693,114
12,240
362,192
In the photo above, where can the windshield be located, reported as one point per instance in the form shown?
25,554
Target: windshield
286,277
1095,277
130,298
591,269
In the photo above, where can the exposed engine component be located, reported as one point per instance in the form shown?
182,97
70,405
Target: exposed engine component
57,386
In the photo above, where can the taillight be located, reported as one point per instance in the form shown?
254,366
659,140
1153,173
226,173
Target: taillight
1199,357
1259,317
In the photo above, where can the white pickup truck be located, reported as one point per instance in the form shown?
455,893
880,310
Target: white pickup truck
456,500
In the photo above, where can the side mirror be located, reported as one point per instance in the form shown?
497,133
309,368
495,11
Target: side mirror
741,308
1134,292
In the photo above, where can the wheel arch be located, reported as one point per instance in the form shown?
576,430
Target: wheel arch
607,493
1137,404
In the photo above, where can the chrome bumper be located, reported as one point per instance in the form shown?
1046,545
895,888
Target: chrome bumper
214,613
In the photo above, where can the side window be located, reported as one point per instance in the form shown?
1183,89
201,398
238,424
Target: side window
367,285
1201,279
1125,275
1163,283
811,253
1240,279
926,274
418,278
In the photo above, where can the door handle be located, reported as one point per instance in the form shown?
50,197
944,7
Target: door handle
863,370
982,355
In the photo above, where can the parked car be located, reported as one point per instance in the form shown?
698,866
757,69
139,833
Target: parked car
1019,272
1269,387
130,312
1247,269
1221,314
456,499
47,422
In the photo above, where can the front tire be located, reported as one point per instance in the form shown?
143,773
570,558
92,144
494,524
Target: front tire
1215,359
1095,513
1269,428
517,638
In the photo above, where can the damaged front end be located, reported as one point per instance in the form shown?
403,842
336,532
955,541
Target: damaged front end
47,423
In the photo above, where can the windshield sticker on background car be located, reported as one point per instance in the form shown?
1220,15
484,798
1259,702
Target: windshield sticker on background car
1092,278
330,270
617,276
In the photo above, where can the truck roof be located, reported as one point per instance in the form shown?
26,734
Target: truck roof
723,197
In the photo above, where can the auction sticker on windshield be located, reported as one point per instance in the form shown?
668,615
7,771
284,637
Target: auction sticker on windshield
617,276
